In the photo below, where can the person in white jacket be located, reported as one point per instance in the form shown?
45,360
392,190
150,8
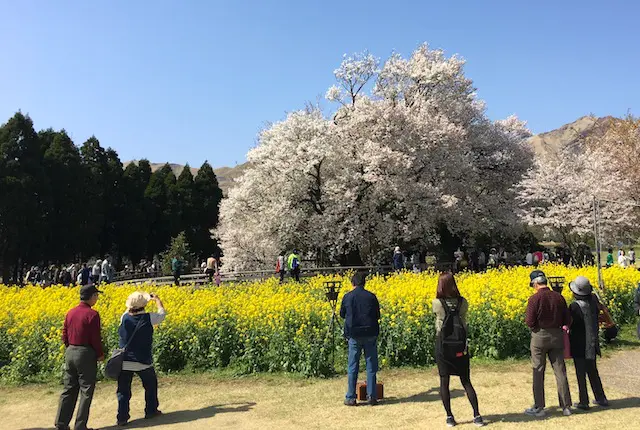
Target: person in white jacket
623,260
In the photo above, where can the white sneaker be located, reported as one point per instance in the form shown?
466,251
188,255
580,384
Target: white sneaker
535,412
566,412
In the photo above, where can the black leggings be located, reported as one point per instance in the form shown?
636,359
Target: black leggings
445,394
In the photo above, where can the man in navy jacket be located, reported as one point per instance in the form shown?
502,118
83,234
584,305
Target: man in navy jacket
361,312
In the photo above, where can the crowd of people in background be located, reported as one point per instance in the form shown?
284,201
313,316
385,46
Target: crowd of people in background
92,272
478,259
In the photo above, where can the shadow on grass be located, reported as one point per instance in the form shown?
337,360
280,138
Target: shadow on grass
628,403
431,395
177,417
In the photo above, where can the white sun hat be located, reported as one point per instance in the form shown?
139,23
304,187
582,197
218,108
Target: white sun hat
138,300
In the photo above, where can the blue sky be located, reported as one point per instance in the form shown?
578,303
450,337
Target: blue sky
194,80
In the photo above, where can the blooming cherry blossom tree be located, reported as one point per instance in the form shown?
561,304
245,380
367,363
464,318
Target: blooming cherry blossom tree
388,167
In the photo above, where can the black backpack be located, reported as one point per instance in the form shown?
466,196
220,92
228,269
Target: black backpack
453,335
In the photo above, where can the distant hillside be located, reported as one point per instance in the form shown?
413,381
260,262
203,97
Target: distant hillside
225,175
570,135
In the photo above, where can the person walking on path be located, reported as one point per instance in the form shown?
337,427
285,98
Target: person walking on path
632,257
176,270
294,265
81,337
547,316
361,312
452,354
95,272
104,272
610,257
281,267
84,274
585,345
136,331
211,268
398,259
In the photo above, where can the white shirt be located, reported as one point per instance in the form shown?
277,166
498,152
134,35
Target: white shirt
529,259
156,318
623,261
105,268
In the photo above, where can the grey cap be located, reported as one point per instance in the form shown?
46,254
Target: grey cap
581,286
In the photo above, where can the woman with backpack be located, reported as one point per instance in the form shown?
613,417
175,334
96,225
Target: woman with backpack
452,355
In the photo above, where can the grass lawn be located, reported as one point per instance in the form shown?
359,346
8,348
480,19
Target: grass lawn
411,401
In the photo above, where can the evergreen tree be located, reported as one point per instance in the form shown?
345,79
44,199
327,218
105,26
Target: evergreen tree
206,203
65,213
22,198
179,247
184,192
133,231
171,212
156,201
94,160
113,204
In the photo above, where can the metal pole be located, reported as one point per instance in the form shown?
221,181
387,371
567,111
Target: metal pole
596,234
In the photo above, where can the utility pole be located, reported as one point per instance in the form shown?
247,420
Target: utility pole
596,235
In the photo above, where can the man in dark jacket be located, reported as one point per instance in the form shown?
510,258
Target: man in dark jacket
547,316
361,312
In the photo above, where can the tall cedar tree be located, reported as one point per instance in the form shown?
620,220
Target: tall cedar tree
206,202
22,195
65,214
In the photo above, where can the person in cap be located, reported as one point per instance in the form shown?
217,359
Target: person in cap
547,316
585,345
81,337
361,311
136,331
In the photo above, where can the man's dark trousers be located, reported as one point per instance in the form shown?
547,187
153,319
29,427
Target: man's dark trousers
79,378
549,343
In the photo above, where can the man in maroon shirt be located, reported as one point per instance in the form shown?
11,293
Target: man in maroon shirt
547,315
81,336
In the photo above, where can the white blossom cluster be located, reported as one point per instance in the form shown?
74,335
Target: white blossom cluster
389,166
558,195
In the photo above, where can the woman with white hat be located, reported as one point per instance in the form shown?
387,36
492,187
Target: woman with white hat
136,331
585,345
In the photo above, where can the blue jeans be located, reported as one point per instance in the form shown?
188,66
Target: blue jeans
150,384
370,346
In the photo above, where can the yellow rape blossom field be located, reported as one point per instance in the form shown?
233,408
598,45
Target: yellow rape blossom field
266,326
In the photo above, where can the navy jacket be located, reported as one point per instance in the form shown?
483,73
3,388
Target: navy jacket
398,261
361,312
139,349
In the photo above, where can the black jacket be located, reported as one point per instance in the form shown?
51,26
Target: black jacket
578,336
361,312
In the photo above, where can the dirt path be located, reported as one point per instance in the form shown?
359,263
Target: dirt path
281,402
622,371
